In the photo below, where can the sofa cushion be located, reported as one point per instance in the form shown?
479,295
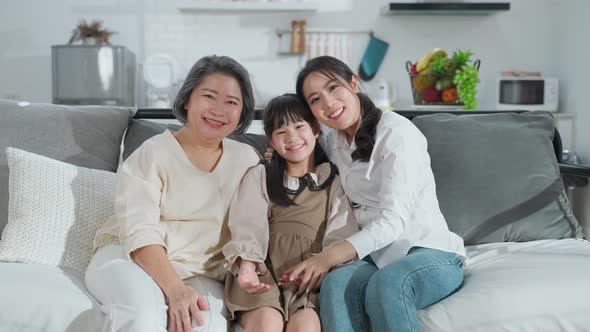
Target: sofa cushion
54,210
39,298
87,136
140,130
497,176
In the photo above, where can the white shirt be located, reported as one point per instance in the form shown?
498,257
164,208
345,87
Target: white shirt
394,193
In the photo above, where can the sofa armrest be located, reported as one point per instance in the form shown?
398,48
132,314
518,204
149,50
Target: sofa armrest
575,170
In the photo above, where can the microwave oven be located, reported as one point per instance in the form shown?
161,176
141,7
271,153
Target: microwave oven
528,93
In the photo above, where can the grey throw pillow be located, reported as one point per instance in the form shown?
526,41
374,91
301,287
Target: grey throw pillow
141,130
497,176
87,136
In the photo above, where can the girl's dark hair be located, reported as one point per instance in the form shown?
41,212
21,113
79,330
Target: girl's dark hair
280,111
335,69
210,65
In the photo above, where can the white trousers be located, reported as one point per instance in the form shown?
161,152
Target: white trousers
132,301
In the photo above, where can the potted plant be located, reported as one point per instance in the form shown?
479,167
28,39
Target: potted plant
91,33
438,79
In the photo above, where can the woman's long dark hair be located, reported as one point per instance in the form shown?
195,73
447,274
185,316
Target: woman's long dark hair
280,111
335,69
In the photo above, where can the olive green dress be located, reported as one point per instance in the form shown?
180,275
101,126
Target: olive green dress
320,218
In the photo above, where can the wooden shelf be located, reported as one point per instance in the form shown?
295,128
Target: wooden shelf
287,53
246,6
281,32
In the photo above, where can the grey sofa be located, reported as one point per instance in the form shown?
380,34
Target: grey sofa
498,182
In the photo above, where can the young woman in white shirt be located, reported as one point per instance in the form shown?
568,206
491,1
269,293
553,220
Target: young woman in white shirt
406,259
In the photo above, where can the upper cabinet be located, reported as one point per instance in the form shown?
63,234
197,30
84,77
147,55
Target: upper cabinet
444,8
246,6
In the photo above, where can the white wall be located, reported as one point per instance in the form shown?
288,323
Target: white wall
540,35
518,39
573,53
28,28
572,67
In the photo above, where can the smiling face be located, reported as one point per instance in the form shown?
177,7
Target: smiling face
214,107
333,101
294,141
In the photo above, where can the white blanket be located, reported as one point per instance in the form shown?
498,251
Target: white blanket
532,286
510,287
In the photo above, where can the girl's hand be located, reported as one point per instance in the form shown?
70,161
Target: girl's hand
268,154
248,279
184,303
308,275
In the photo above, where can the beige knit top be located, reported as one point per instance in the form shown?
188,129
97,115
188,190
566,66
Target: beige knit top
162,198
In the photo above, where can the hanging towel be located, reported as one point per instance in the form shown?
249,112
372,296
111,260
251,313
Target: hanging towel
372,58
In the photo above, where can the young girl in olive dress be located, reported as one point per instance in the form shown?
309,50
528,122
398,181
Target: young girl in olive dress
281,214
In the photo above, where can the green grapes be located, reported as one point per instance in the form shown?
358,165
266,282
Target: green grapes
466,80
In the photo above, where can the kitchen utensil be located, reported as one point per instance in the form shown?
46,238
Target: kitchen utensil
372,58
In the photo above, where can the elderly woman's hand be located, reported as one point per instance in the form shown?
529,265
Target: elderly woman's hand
184,303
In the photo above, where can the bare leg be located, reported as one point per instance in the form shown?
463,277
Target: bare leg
304,320
264,319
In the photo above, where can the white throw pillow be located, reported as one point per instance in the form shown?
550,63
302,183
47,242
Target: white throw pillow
54,210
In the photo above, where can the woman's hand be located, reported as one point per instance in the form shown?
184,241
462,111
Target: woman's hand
248,278
308,275
184,303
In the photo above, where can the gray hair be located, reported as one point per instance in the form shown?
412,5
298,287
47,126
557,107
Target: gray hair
210,65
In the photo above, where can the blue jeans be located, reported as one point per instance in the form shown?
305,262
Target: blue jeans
359,296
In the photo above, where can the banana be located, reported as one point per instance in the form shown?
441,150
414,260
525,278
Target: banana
432,55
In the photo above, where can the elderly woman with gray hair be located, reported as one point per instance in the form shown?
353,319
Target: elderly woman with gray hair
158,261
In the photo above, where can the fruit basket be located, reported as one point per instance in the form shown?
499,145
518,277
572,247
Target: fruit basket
434,79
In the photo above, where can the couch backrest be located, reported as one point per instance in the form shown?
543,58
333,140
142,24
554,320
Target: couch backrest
87,136
90,136
496,173
140,130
